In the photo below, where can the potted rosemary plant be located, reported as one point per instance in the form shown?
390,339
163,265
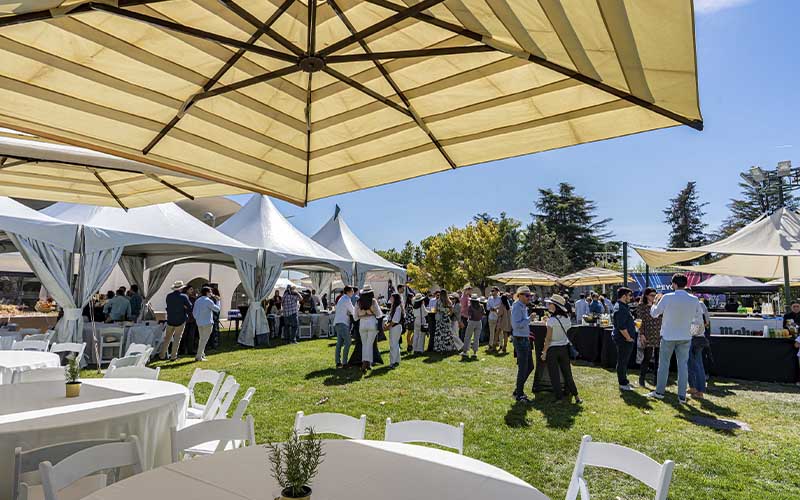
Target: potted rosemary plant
295,464
72,373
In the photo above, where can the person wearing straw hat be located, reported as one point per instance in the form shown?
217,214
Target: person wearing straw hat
178,309
420,312
472,335
520,330
395,327
493,306
443,334
368,311
556,348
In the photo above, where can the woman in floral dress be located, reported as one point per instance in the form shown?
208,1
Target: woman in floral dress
651,330
443,338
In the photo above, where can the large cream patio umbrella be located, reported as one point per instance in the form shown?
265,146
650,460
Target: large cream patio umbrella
593,276
303,100
525,276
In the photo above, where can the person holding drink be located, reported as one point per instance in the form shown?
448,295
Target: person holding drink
650,330
520,329
623,335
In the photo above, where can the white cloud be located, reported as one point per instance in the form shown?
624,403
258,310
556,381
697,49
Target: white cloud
709,6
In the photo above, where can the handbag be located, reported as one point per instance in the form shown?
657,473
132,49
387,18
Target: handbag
573,353
699,342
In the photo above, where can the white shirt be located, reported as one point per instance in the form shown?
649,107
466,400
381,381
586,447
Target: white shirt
493,303
581,309
397,317
344,311
419,316
559,334
679,310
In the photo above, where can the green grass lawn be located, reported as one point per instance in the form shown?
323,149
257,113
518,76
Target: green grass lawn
538,441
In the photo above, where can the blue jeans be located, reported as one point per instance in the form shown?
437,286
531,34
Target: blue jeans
522,348
342,339
681,350
697,373
624,350
291,327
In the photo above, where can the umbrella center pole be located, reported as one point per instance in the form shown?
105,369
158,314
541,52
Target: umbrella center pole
312,64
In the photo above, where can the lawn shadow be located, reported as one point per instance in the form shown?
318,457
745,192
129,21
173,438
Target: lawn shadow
633,398
517,415
706,410
557,414
435,357
729,387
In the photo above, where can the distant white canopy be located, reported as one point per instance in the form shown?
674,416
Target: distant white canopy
337,236
259,224
18,219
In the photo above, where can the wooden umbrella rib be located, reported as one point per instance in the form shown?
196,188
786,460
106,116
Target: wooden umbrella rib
43,15
108,188
247,82
368,91
267,30
621,94
310,47
404,54
170,185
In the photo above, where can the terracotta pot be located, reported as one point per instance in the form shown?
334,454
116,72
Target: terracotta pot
287,494
73,389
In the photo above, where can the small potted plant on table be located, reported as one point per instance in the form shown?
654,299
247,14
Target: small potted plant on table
295,463
72,373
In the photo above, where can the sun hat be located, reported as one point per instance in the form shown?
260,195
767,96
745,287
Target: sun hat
178,284
474,297
483,300
466,287
558,301
495,289
367,289
418,298
522,290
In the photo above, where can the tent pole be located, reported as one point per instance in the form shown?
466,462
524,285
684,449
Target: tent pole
624,263
646,276
787,290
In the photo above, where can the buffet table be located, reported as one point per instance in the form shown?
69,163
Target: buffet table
754,358
588,340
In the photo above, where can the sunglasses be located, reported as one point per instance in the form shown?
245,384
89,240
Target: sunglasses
525,294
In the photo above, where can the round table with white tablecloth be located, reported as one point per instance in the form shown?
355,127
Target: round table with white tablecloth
24,360
351,470
38,414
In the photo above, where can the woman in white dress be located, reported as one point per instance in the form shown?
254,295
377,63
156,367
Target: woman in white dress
395,326
368,312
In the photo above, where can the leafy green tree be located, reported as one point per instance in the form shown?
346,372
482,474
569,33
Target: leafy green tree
442,261
685,218
509,229
572,219
541,250
410,253
479,245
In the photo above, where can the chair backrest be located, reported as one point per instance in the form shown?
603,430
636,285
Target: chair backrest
26,463
144,358
219,407
50,335
243,403
110,330
426,431
75,347
222,430
200,376
29,345
133,372
331,423
126,361
137,349
613,456
89,461
37,375
30,331
36,336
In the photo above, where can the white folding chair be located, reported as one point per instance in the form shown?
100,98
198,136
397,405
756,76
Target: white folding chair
426,431
304,327
243,403
613,456
331,423
89,461
219,408
133,372
37,375
211,436
50,335
27,484
137,349
111,339
126,361
73,347
144,358
200,376
29,345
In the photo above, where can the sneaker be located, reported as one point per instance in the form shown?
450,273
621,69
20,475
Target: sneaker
578,400
522,398
655,395
626,387
338,365
683,401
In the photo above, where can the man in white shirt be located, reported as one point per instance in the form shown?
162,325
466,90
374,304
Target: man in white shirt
679,311
492,304
581,309
341,324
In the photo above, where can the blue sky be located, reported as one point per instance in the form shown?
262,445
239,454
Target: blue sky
749,72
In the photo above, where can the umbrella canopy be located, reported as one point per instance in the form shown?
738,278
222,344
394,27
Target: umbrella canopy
36,168
732,284
259,224
303,99
593,276
526,276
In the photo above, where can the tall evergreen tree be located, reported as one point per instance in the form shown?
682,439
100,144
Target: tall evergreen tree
750,206
541,250
685,217
571,218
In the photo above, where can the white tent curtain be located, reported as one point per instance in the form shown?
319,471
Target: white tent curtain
133,267
361,276
321,281
257,282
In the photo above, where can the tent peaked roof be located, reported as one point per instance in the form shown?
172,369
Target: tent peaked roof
593,276
259,224
777,234
17,218
342,96
721,283
338,236
158,230
526,276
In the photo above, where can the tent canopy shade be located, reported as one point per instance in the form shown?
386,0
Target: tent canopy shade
37,168
732,284
750,266
525,276
593,276
261,225
19,219
161,232
305,100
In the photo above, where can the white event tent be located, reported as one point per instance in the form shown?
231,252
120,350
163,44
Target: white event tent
259,224
337,236
157,237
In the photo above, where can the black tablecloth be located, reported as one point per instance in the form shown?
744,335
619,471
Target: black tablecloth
355,356
754,358
541,377
587,340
